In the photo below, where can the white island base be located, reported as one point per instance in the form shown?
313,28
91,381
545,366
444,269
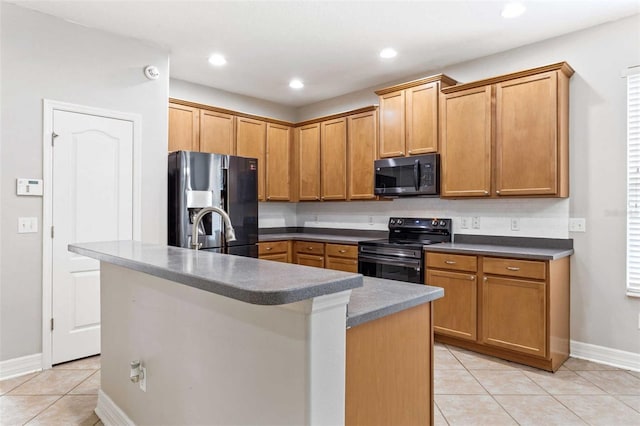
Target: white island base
211,359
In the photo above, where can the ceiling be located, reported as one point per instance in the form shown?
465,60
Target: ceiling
332,46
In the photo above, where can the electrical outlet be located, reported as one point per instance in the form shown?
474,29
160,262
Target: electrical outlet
143,380
515,224
315,218
475,222
464,223
577,224
370,220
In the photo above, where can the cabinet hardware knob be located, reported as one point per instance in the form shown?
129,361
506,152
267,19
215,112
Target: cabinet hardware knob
485,279
310,248
486,192
513,268
343,251
268,248
498,192
472,277
450,262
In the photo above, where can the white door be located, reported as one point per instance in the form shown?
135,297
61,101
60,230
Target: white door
92,201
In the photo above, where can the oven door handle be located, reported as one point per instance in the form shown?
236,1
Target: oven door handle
393,262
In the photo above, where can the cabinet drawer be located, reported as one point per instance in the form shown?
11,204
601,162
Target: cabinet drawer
515,268
276,257
272,247
456,262
310,260
342,250
341,264
309,247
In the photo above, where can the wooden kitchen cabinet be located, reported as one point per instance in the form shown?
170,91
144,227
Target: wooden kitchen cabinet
217,132
341,257
521,306
333,159
279,251
361,143
456,313
409,117
278,164
507,135
465,154
309,162
309,253
250,142
184,128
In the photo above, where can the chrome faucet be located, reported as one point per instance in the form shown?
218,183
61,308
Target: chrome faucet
229,233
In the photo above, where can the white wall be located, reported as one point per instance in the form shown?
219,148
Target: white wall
601,313
180,89
46,57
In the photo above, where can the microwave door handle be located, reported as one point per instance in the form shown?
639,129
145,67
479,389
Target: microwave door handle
416,174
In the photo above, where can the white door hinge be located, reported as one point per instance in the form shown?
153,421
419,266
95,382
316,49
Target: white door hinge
53,136
51,324
52,232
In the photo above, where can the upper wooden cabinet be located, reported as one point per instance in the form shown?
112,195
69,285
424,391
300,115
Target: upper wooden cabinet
409,117
184,128
528,152
361,145
217,132
278,164
308,141
333,159
250,142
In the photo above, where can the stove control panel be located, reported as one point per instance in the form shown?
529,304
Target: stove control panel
426,224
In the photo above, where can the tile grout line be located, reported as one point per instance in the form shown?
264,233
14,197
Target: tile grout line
44,409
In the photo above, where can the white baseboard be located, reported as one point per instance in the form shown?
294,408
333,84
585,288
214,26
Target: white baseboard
110,414
604,355
20,366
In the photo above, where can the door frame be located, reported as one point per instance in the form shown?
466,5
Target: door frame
49,106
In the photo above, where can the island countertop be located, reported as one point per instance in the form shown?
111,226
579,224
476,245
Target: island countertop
246,279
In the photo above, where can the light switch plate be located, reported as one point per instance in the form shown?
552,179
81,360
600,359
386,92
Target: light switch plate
475,222
577,224
27,225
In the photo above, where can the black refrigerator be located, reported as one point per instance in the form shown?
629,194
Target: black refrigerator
198,180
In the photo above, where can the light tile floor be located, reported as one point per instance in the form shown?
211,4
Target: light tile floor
470,389
473,389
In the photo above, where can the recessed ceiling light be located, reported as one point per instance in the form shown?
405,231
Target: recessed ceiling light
388,53
296,84
217,59
513,10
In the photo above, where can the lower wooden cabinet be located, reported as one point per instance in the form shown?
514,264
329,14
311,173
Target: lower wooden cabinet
279,251
516,309
342,257
389,370
309,253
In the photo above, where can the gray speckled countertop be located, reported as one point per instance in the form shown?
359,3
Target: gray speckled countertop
250,280
501,251
322,238
379,298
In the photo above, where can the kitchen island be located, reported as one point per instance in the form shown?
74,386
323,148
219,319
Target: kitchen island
233,340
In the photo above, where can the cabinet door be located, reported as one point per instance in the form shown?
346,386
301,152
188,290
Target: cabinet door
250,141
310,260
184,128
392,130
527,136
309,162
333,158
513,314
278,162
422,118
217,132
456,313
466,143
362,143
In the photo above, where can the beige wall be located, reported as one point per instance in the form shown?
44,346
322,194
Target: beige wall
601,313
45,57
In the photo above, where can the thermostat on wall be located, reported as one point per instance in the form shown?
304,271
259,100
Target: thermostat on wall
29,187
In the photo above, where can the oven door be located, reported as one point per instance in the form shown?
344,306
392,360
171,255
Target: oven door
392,268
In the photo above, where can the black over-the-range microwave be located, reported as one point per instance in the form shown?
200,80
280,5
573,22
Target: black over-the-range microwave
404,176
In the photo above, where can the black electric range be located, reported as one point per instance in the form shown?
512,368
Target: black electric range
399,257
